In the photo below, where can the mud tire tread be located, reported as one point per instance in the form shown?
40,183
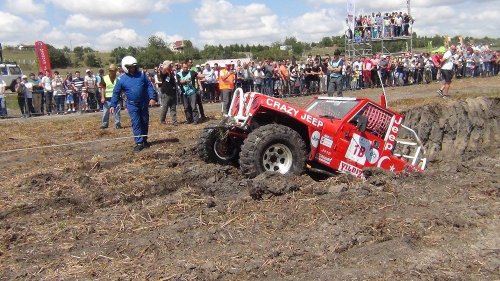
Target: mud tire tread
260,138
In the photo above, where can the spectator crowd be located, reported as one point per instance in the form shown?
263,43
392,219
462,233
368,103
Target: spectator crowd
282,78
375,26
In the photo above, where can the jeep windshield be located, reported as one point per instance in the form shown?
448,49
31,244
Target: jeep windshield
335,108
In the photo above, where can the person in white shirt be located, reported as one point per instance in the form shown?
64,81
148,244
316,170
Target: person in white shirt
209,83
258,79
157,83
48,92
90,83
3,105
59,94
446,65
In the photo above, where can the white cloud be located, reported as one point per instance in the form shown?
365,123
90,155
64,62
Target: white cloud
106,8
119,37
313,26
79,21
465,20
115,9
164,5
59,38
168,38
26,7
221,22
15,29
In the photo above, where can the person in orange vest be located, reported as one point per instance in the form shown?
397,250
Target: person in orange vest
226,86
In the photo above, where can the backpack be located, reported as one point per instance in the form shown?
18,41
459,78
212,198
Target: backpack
188,88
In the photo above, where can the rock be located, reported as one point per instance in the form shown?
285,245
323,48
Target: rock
360,239
338,188
211,203
321,191
209,266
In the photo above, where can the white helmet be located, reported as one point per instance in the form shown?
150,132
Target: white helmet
128,60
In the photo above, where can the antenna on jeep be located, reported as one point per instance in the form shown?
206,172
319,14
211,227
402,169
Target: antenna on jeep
383,96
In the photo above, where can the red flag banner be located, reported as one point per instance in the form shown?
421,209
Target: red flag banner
43,56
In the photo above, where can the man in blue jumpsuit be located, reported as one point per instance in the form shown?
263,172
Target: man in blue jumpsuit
140,95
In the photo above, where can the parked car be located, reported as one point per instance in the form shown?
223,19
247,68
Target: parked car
10,71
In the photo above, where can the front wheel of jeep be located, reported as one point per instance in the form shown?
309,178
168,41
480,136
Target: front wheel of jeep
215,146
273,148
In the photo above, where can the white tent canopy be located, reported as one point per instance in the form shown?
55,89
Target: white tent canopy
222,63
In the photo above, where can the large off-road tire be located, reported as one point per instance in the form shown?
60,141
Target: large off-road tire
274,148
215,147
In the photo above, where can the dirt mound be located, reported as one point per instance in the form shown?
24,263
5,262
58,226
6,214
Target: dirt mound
456,128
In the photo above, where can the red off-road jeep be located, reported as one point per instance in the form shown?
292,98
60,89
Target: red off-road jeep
328,136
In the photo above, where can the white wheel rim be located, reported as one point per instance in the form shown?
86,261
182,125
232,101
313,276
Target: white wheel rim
219,150
277,158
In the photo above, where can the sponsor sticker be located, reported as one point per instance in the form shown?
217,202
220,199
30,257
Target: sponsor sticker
327,141
325,152
324,159
315,139
358,149
390,139
373,156
348,168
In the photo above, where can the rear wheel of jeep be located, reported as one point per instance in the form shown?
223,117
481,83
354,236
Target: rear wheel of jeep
216,147
274,148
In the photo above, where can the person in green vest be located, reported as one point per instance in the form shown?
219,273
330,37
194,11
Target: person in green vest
106,86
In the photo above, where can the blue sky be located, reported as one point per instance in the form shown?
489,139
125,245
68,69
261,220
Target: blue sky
106,24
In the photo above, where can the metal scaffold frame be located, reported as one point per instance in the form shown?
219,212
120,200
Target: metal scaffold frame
365,48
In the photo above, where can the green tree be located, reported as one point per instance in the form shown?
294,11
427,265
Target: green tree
156,42
189,52
156,52
326,42
58,58
117,54
290,41
297,49
92,60
79,56
437,41
211,52
79,53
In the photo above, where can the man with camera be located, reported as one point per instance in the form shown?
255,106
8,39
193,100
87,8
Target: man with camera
187,78
168,92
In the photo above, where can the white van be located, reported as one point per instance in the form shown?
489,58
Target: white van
10,72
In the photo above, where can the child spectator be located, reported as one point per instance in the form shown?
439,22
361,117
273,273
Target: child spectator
68,88
355,76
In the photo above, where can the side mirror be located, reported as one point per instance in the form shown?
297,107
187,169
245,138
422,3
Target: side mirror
362,121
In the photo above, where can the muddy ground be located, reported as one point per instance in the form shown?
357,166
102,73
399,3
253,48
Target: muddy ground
93,210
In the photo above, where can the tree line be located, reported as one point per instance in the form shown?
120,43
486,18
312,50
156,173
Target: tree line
157,50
